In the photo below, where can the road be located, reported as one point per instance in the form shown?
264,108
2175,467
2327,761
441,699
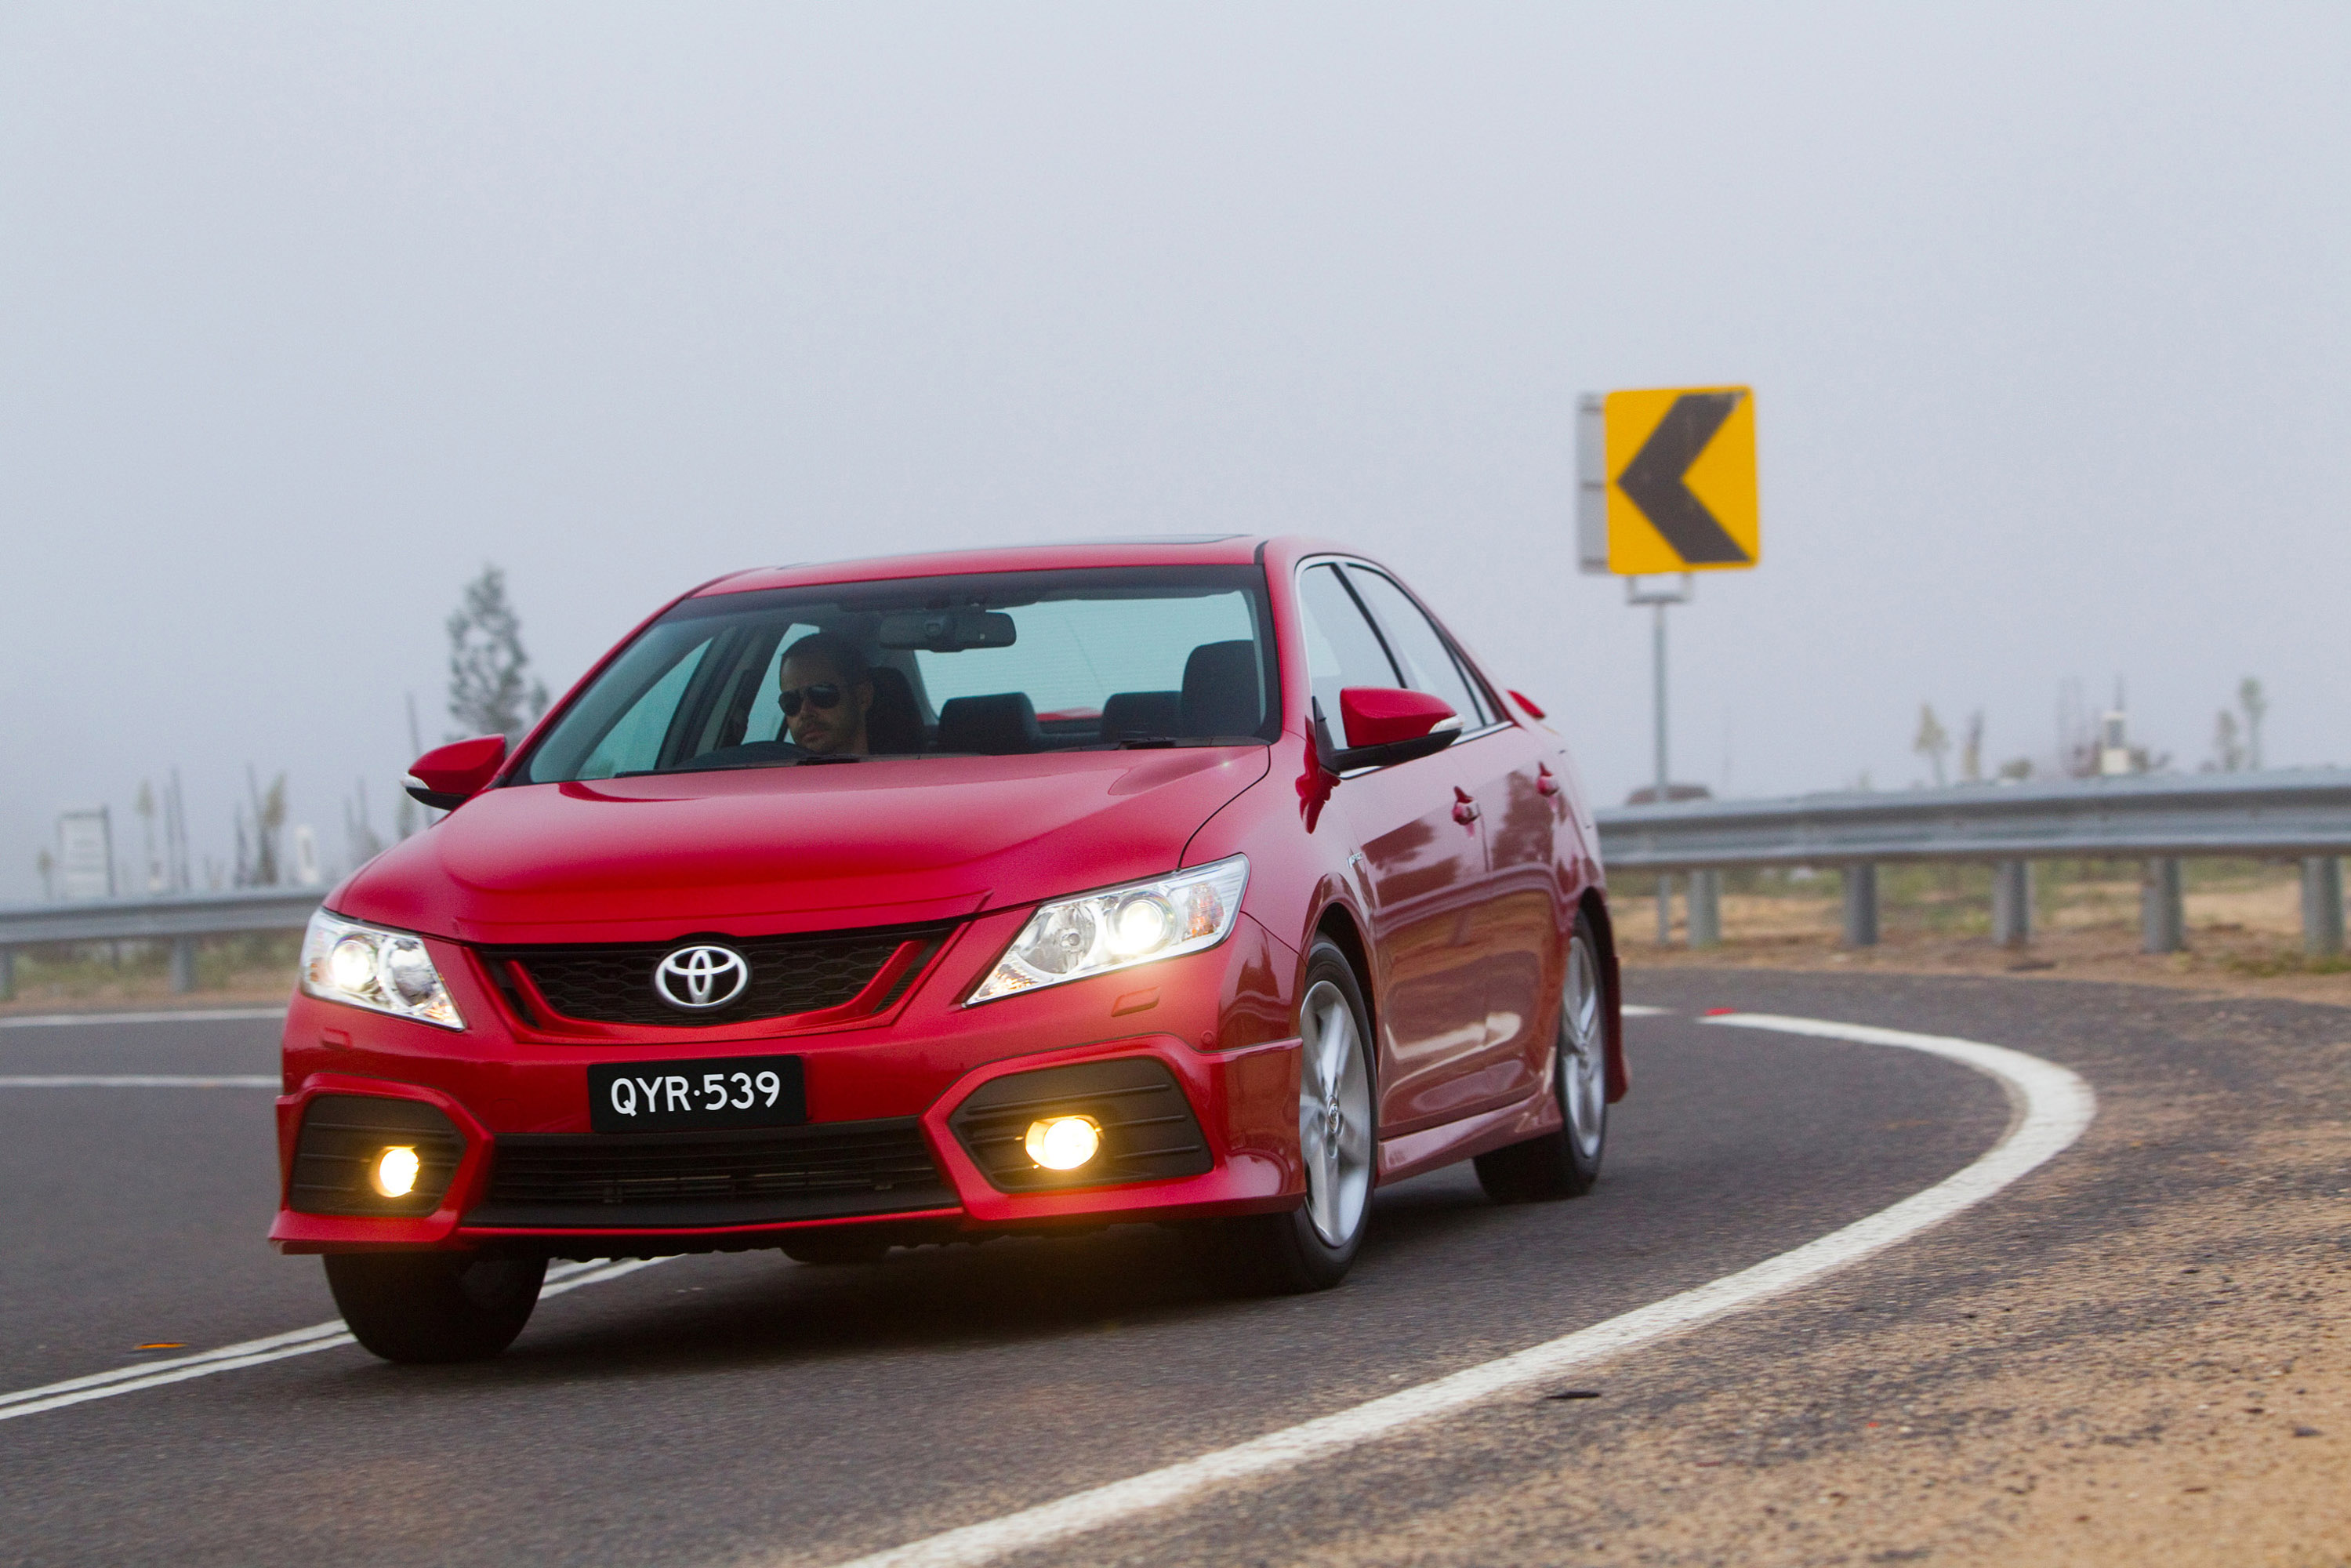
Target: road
746,1408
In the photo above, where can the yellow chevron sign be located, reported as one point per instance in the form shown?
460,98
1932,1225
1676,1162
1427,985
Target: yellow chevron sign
1681,495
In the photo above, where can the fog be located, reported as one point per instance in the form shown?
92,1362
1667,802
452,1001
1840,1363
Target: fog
308,313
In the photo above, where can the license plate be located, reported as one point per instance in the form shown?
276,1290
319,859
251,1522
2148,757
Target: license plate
680,1096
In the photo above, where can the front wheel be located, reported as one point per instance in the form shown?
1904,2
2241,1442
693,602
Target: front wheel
1566,1163
1311,1246
434,1306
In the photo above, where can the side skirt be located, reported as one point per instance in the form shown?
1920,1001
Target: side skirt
1411,1154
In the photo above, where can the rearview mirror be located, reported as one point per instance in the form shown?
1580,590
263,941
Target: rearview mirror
1387,724
947,631
446,776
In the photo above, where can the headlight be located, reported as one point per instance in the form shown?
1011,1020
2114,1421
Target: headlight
388,971
1075,938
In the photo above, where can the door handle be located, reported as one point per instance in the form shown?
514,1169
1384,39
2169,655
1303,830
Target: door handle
1543,780
1465,808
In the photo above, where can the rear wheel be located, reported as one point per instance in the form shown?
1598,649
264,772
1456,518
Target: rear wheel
1566,1163
1311,1246
434,1306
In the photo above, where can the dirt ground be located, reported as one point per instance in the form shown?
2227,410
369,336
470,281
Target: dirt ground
2241,941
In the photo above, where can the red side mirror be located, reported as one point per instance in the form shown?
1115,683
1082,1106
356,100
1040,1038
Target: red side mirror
446,776
1383,715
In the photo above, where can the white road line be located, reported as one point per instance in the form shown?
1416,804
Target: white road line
2051,1108
60,1021
140,1080
146,1374
1636,1011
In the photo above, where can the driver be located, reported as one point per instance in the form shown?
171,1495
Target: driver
825,690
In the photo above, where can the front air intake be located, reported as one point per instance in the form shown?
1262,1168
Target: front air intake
339,1153
1148,1130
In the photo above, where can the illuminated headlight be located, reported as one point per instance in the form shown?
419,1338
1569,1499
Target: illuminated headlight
388,971
1074,938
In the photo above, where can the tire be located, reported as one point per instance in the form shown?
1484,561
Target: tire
1566,1163
434,1306
1311,1246
830,1247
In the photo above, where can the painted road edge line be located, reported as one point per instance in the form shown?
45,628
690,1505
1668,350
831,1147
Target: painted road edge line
197,1015
140,1080
2051,1108
258,1351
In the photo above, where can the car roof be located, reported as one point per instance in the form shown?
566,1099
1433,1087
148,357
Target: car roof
1185,549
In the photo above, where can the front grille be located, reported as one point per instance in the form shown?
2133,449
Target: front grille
343,1136
614,983
628,1180
1149,1133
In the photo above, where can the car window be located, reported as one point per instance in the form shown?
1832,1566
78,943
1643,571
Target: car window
984,663
634,743
1342,649
1071,655
1414,639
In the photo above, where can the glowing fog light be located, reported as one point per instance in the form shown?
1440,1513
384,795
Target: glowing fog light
1063,1143
395,1171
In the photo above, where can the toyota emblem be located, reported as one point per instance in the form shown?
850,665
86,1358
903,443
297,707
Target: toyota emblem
700,978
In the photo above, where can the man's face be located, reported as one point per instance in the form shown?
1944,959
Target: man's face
840,728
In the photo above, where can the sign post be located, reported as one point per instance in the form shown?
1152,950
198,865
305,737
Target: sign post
1665,489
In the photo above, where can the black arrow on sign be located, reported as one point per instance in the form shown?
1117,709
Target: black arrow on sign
1653,480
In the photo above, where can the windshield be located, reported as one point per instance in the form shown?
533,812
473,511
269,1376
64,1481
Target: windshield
992,664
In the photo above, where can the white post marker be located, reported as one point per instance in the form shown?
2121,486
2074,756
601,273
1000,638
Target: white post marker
2051,1107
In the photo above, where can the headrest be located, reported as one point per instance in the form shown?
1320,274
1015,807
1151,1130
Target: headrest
1220,690
999,723
892,725
1141,713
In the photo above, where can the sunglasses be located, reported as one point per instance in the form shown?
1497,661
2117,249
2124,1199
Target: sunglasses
823,695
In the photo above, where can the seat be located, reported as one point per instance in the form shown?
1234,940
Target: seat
1128,714
997,725
892,725
1220,691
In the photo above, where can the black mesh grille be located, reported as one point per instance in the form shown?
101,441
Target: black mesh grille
614,984
1149,1133
827,1170
342,1137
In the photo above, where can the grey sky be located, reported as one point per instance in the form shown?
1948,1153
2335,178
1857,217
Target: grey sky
307,312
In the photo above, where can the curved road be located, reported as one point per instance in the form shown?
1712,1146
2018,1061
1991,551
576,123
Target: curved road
746,1408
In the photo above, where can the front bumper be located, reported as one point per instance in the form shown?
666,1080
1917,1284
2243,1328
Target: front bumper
886,1095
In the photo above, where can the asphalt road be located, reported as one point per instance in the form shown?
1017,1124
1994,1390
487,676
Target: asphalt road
747,1408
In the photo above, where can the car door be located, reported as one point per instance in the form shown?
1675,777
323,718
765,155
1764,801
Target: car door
1514,927
1422,859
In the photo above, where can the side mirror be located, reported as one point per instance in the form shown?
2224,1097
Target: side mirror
1387,724
446,776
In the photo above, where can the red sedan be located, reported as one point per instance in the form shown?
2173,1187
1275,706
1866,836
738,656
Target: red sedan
889,902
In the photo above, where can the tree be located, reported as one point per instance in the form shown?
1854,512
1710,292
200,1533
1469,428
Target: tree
47,863
2256,706
1933,740
268,821
1971,749
490,688
2228,755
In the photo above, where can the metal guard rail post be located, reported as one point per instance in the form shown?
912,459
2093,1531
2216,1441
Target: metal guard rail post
2303,815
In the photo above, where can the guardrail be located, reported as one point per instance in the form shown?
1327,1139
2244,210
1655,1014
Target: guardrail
178,920
2303,815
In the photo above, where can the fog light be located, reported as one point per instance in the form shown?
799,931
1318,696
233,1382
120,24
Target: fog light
395,1171
1063,1143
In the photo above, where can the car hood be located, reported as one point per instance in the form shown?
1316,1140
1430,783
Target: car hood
765,851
